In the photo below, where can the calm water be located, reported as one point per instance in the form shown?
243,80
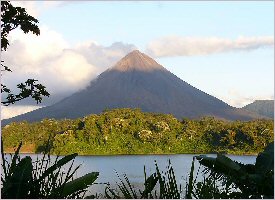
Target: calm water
133,167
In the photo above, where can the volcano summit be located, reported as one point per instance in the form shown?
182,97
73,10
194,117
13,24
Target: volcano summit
138,81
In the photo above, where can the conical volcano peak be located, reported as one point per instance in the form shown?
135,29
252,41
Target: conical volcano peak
157,91
136,60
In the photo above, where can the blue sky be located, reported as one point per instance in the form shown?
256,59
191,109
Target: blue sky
223,48
141,22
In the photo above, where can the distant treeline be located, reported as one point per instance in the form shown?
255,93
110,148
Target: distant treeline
130,131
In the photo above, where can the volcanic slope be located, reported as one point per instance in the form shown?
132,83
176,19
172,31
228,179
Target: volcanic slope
138,81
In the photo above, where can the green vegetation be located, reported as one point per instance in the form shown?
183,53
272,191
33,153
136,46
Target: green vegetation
251,180
27,179
222,178
125,131
130,131
159,185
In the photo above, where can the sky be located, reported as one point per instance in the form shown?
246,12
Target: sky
225,49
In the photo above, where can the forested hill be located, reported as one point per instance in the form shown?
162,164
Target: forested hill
262,107
130,131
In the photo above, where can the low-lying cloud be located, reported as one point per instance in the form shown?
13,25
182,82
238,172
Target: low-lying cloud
62,68
239,100
11,111
195,46
65,69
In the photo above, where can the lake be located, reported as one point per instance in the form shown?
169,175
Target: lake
133,167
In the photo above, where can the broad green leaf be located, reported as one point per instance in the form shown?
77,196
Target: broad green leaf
19,182
80,183
220,164
150,184
227,164
206,161
59,164
265,160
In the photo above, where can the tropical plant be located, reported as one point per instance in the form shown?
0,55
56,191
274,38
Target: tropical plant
167,187
23,178
246,180
220,178
209,187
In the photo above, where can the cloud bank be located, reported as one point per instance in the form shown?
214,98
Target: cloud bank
31,7
238,100
196,46
65,69
62,68
11,111
35,8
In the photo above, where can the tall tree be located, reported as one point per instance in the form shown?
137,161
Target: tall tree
12,18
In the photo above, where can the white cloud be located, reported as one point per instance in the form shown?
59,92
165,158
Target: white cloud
193,46
101,56
11,111
62,68
35,8
34,50
31,7
70,69
52,4
238,100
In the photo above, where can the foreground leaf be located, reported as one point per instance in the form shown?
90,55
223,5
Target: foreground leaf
79,184
265,160
57,165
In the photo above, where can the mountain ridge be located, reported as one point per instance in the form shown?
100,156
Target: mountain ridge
137,81
261,107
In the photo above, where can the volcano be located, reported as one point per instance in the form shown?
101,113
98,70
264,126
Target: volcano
138,81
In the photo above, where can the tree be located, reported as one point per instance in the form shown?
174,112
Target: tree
12,18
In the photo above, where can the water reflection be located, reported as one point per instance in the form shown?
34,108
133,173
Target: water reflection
133,167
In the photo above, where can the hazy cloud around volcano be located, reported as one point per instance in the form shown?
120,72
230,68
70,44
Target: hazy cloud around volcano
195,46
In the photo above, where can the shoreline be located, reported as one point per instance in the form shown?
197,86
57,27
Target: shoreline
158,154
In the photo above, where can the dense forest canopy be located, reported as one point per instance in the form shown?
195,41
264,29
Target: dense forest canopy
130,131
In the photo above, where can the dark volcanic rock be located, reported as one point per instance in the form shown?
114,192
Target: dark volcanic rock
137,81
